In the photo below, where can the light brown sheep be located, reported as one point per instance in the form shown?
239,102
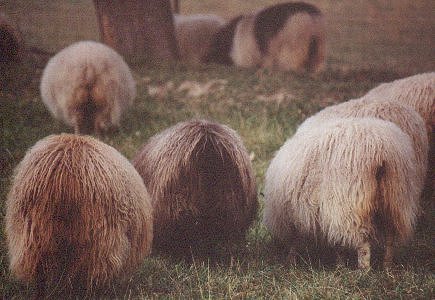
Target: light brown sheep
417,91
194,34
88,86
351,182
405,117
202,186
77,215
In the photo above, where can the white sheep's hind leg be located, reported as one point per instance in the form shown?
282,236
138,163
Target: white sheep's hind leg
363,251
389,251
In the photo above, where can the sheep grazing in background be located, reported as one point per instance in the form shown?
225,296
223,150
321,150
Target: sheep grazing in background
11,42
88,86
78,215
194,34
351,182
405,117
286,36
202,187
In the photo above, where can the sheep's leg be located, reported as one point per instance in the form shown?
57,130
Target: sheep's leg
363,251
389,251
292,256
76,128
40,282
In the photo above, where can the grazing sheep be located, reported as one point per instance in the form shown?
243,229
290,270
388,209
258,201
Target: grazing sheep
77,215
88,86
405,117
350,182
11,42
194,34
286,36
202,186
418,91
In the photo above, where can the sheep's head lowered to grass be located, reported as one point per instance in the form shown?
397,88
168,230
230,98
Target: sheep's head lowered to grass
88,86
78,214
201,183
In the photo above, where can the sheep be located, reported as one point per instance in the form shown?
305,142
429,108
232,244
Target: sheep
11,41
405,117
194,34
350,182
202,187
88,86
418,91
286,36
77,215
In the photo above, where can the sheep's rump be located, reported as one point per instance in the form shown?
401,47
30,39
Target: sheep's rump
11,42
201,183
194,34
88,86
417,91
77,214
287,36
405,117
340,181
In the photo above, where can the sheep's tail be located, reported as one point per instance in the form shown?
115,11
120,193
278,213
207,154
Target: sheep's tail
313,50
87,110
395,212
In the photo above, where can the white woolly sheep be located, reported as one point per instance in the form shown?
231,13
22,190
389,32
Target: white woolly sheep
77,215
350,182
405,117
88,86
417,91
11,41
194,34
286,36
202,186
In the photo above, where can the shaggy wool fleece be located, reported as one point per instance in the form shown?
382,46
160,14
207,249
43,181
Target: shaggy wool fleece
201,183
88,86
77,214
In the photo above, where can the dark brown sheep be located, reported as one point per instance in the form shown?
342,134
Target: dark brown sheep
202,186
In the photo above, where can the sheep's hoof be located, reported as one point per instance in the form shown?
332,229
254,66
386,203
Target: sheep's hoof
364,256
291,258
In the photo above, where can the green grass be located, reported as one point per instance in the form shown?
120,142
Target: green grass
264,107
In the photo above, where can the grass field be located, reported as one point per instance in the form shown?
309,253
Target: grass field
369,42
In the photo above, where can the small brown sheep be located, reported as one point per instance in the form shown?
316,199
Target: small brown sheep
202,186
78,215
88,86
350,182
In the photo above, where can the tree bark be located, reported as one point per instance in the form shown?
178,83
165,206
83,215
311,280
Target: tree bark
176,6
140,30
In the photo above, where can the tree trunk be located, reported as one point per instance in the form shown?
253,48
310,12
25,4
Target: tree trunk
140,30
176,6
